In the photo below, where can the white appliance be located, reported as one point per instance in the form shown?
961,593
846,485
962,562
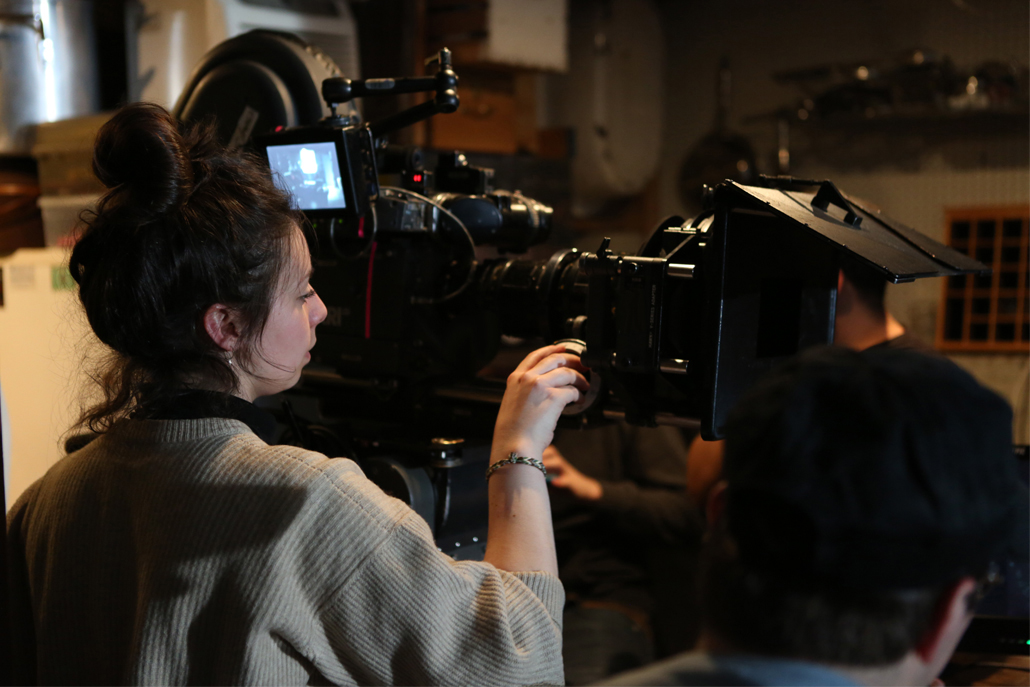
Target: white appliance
44,341
167,38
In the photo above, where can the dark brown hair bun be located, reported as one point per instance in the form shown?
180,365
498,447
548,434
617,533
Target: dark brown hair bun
142,151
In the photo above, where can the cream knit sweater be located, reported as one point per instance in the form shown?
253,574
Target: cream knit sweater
189,551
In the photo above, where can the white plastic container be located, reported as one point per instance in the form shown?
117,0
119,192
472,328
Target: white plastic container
61,217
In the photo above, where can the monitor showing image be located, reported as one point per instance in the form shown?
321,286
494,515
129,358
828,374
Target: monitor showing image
310,173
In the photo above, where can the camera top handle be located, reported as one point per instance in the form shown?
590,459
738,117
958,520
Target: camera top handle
338,90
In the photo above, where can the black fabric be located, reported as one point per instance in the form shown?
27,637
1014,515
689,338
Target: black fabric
881,470
640,542
697,668
600,642
198,404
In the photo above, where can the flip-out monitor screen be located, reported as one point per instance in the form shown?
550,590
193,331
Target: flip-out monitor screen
310,173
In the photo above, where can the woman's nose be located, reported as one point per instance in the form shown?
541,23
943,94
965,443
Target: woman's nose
319,312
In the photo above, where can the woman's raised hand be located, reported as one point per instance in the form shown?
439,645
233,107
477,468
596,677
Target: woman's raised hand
520,535
538,390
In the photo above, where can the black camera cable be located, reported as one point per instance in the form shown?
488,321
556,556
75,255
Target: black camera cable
470,277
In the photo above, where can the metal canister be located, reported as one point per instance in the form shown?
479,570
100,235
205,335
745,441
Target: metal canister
48,66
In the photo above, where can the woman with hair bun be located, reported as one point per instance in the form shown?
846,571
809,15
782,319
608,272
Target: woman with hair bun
179,546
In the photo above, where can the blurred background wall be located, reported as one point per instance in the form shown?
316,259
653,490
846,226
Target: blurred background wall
916,170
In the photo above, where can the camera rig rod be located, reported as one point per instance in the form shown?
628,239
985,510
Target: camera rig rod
338,90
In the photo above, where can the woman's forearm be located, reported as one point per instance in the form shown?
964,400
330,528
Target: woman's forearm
520,535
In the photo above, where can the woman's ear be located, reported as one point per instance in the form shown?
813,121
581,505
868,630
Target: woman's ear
221,324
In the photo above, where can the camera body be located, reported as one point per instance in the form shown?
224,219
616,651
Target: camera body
672,335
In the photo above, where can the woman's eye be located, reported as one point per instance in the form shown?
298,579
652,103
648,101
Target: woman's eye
309,294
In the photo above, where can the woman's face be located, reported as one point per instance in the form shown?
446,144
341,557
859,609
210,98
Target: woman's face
289,333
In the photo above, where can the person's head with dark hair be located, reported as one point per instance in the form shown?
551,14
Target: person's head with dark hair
861,317
864,494
861,321
192,269
868,285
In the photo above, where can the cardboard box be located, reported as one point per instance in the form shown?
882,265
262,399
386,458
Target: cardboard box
485,123
64,153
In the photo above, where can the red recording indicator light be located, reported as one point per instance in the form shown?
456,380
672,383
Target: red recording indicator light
416,178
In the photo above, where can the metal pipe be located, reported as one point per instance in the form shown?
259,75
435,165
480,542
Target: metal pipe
681,271
674,366
665,419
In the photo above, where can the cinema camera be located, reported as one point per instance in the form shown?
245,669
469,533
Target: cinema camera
672,335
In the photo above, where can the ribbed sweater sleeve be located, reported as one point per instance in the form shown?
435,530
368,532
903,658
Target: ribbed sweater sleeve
446,622
409,614
188,551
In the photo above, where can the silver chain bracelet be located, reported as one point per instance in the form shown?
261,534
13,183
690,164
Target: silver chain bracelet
514,459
